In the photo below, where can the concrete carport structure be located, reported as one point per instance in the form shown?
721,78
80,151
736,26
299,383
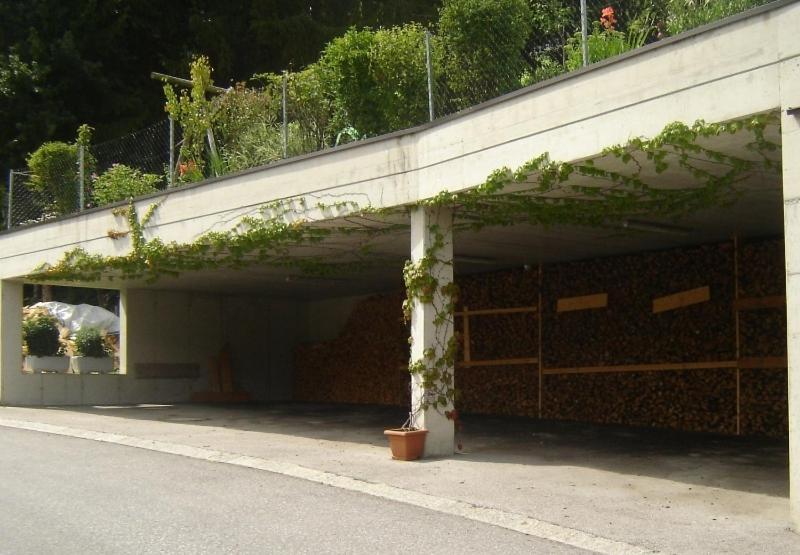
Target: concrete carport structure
745,66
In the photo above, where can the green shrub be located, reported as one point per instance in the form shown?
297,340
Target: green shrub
605,41
54,172
195,113
121,182
89,343
683,15
483,43
54,175
40,334
262,143
378,79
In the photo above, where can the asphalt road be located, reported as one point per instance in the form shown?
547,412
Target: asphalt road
67,495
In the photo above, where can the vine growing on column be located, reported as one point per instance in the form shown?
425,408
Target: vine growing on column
426,285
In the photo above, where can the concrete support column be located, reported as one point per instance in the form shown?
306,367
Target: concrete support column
426,223
790,141
10,337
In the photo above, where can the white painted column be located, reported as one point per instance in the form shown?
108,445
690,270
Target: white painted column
424,333
10,338
790,140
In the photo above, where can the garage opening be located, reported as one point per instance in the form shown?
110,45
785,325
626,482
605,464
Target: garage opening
691,338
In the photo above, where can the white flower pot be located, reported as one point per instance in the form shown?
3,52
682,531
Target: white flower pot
46,364
85,365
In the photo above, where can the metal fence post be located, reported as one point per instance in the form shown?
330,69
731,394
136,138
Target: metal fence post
584,34
81,176
171,181
285,119
429,67
10,197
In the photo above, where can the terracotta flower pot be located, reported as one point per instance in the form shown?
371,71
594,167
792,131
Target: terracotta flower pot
406,444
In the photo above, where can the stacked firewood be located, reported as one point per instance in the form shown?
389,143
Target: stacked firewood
764,408
764,402
365,364
686,400
762,268
627,331
510,288
506,390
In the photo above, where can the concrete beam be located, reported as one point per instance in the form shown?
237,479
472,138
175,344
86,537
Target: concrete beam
790,137
425,333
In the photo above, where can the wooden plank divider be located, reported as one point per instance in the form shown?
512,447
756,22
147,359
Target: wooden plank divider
493,311
682,299
498,362
753,363
756,303
584,302
643,367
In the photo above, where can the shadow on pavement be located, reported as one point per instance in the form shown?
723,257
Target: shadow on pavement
754,465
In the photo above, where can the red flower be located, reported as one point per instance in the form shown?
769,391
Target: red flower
607,19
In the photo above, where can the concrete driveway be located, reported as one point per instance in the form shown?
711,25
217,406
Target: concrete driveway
661,491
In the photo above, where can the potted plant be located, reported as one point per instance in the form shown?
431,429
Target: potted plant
40,334
407,442
91,353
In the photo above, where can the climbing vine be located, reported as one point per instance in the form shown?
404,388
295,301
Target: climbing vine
599,192
428,282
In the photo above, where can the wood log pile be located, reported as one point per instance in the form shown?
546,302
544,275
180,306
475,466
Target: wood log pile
764,400
366,363
686,400
627,331
499,289
502,336
762,268
504,390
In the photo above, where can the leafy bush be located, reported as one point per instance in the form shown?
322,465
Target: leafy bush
40,334
195,114
310,105
54,169
378,79
238,110
89,343
121,182
546,68
262,143
683,15
605,41
483,43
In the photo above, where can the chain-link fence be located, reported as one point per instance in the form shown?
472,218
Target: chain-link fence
147,150
368,83
63,178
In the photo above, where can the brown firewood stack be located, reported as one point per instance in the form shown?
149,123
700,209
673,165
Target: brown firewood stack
607,320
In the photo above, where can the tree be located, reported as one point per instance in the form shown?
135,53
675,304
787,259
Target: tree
89,61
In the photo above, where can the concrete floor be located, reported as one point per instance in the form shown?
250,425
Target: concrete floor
665,491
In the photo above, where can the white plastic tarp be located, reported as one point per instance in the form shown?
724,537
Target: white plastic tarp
78,316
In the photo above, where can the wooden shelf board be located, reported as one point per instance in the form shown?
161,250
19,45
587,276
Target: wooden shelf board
643,367
757,303
493,311
498,362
